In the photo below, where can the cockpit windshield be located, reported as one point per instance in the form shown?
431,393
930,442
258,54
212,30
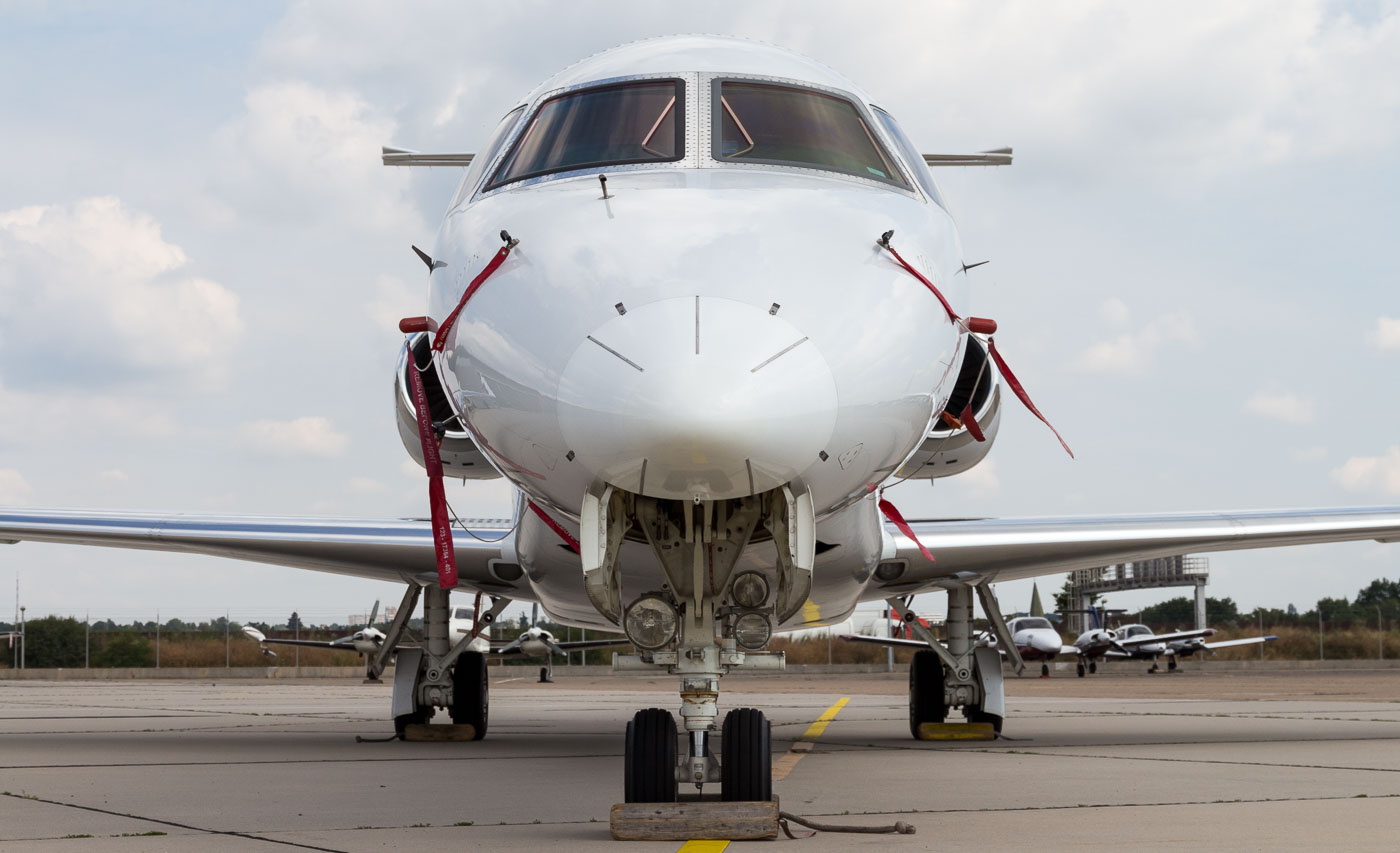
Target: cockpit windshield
1032,622
784,125
635,122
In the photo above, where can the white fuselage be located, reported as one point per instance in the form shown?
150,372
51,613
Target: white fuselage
1034,640
708,332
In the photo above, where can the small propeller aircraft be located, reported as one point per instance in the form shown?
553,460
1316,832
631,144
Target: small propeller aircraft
369,640
1139,642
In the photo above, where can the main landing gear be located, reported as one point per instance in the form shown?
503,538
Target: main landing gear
1045,670
441,674
1079,669
959,673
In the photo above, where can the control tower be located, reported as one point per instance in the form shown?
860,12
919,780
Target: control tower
1144,574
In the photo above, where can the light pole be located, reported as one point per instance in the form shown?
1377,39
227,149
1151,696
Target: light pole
1380,635
1261,632
21,636
1321,655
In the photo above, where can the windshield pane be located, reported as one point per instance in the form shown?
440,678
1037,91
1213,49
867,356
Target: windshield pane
912,158
626,123
1032,622
764,123
484,157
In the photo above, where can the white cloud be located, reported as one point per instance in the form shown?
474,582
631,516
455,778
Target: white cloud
310,435
366,486
982,477
1371,473
393,300
103,277
13,488
83,415
1386,334
1115,312
1131,352
299,151
1282,406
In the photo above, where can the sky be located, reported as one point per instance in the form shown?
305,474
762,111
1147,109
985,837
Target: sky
202,260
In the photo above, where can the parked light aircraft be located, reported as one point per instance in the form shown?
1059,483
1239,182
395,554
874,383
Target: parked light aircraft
369,640
665,303
1033,638
1141,643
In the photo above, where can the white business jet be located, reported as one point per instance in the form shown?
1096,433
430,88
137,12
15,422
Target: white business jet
698,299
1033,637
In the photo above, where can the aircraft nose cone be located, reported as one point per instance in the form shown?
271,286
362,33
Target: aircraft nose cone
697,397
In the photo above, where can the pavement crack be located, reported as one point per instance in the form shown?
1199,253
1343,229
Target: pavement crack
227,832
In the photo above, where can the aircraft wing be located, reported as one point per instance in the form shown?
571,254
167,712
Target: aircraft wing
885,641
513,648
395,550
318,644
575,645
1070,650
1013,548
1149,639
1247,641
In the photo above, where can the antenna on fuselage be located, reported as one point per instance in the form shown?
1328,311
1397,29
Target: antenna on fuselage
603,179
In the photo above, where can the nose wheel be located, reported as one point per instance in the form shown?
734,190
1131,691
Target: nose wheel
649,763
746,766
1045,670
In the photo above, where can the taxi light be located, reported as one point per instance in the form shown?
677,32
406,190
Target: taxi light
650,622
749,590
752,631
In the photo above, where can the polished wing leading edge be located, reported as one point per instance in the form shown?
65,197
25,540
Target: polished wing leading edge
396,550
992,550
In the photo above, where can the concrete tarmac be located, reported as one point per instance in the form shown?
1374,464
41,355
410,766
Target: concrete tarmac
1238,761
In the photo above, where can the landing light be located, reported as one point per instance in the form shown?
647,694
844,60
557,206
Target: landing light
752,631
749,589
650,622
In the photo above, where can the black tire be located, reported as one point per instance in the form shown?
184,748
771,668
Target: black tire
1093,667
470,693
649,762
544,675
925,691
1079,670
1171,666
977,715
1045,670
746,757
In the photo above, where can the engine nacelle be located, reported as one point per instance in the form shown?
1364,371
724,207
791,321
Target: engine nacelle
947,450
460,456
